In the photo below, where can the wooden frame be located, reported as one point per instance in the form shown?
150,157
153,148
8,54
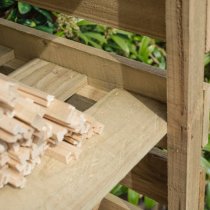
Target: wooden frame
185,48
113,12
185,36
103,69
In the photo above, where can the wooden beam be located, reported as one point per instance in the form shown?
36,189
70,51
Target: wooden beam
149,176
104,70
111,202
143,17
185,55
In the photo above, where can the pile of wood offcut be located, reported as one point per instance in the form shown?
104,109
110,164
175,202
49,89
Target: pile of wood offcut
33,123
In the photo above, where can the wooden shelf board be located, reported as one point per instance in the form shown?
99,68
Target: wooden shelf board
51,78
6,54
11,66
132,128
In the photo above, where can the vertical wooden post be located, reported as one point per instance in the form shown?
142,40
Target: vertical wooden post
185,24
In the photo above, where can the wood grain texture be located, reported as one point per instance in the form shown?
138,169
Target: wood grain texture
143,17
111,202
6,54
185,54
130,124
92,93
149,176
50,78
12,65
104,70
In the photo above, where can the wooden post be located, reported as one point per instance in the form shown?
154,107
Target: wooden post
185,24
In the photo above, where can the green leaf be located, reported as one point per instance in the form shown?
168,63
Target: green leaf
145,49
6,3
45,13
133,197
27,22
24,8
94,44
149,203
83,37
12,15
85,23
207,59
121,43
45,29
95,37
206,165
119,190
125,33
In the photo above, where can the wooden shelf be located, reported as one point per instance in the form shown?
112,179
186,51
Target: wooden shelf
130,125
133,126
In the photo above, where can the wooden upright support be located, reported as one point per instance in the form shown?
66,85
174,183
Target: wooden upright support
185,22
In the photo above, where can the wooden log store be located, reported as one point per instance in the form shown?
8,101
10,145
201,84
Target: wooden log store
156,122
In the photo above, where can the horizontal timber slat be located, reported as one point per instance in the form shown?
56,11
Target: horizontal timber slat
50,78
149,176
140,16
111,202
104,70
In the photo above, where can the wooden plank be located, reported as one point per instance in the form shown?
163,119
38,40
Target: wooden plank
149,176
104,70
111,202
143,17
50,78
96,207
86,97
125,117
206,110
185,48
6,55
12,65
92,93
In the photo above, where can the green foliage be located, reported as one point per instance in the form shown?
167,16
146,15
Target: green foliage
119,190
133,197
149,203
4,4
28,15
207,68
24,8
130,45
